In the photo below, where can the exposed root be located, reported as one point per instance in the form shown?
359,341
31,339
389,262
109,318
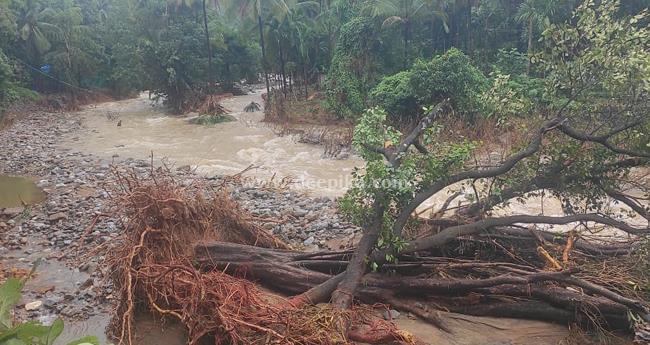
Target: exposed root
152,268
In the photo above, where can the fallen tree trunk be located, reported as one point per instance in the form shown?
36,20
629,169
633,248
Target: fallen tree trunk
289,272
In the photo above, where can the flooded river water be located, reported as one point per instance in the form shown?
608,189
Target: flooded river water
225,148
228,148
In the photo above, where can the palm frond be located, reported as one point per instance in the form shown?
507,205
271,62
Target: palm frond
392,20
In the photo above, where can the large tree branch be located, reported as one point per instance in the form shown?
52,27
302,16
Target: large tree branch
394,154
343,295
641,210
416,285
604,139
506,166
629,163
424,123
453,232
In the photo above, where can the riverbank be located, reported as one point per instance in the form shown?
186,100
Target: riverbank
76,186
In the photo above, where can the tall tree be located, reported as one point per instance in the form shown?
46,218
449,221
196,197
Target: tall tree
535,14
403,13
34,30
261,11
208,47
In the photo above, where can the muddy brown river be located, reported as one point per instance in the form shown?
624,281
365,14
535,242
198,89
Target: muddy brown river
225,148
229,148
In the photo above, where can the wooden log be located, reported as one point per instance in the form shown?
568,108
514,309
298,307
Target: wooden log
287,271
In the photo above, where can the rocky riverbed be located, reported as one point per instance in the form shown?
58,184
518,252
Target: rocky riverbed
62,230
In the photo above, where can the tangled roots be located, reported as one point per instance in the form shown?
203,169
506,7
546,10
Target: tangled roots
152,269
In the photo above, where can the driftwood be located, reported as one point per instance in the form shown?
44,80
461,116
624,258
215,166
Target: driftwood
531,293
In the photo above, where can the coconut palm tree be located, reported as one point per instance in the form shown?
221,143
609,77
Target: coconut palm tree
208,46
535,14
404,13
34,30
260,10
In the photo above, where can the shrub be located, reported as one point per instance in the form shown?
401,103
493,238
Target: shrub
396,95
506,98
345,92
10,91
450,75
351,70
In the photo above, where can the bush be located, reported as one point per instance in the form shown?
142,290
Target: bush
351,70
345,91
506,98
451,75
396,95
10,91
6,76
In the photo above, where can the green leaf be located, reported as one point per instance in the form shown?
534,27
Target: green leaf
90,340
55,331
13,341
9,296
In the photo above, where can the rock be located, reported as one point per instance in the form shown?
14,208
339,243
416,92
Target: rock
391,314
299,213
52,302
33,305
57,216
3,225
13,211
309,241
312,248
311,216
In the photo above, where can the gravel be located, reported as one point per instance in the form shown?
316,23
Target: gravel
76,187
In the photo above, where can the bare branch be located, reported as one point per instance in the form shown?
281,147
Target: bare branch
425,123
627,200
603,139
458,286
453,232
506,166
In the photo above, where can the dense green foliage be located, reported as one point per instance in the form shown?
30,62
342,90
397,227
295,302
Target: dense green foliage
448,76
179,49
352,67
596,86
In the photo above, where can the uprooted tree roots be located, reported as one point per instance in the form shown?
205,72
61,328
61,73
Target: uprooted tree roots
153,268
190,253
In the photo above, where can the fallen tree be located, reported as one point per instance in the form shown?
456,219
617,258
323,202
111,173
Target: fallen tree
152,269
294,272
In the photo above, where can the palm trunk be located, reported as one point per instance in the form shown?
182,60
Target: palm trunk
530,44
469,28
266,73
304,80
406,44
207,43
282,69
